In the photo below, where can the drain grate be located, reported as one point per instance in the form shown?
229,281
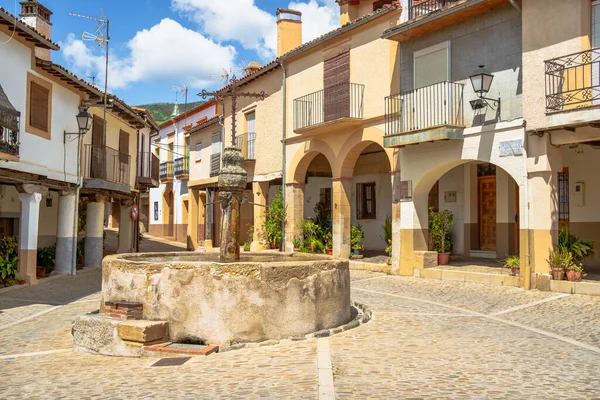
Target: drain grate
171,362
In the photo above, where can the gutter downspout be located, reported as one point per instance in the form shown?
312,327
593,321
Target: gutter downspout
516,5
283,158
139,168
76,216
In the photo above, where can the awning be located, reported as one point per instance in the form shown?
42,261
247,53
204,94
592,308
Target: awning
9,116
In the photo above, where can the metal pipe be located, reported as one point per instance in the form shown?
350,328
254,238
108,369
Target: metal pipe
516,5
283,159
76,216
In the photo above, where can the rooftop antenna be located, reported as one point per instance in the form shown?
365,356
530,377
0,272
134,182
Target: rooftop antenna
102,38
183,89
93,79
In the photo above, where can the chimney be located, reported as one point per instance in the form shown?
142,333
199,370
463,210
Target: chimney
289,30
37,16
348,11
252,67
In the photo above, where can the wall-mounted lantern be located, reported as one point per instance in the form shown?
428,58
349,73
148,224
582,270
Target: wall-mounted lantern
481,80
84,122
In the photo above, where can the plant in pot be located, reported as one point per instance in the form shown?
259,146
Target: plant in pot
328,242
356,239
514,264
274,220
9,257
46,260
559,259
387,235
440,228
297,243
575,272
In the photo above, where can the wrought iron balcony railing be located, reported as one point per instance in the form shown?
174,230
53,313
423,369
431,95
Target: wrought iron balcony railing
108,164
344,100
245,143
437,105
166,170
181,166
573,81
416,8
9,141
215,164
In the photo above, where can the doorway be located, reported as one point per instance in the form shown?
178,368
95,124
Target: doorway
486,177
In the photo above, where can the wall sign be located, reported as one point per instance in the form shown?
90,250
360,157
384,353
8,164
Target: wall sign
135,212
511,148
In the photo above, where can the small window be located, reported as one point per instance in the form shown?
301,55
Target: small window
198,152
365,201
563,198
39,112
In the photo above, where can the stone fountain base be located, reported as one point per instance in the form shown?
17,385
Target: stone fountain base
261,297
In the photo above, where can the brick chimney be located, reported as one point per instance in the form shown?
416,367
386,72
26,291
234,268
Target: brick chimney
289,30
37,16
252,67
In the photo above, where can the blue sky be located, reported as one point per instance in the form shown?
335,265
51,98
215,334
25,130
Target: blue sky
159,43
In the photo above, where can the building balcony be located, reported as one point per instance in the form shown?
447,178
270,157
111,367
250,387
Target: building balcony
215,164
166,172
181,167
106,168
148,171
245,143
338,105
427,114
9,142
425,16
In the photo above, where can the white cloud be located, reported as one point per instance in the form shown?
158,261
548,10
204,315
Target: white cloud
167,52
242,21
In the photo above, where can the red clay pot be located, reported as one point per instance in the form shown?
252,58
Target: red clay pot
40,271
443,258
329,251
573,276
516,271
558,274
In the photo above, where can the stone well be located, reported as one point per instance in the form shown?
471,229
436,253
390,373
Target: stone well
263,296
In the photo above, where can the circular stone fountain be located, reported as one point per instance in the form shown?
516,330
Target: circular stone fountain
262,296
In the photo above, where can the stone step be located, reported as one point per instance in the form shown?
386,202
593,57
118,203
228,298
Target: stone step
467,276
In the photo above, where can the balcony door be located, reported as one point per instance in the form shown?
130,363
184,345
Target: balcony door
431,67
98,153
336,84
250,130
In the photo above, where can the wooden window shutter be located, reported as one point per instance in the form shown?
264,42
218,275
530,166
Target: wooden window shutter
359,201
123,146
98,131
39,98
336,83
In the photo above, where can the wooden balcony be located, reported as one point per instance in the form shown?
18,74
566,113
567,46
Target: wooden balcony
427,114
336,107
429,15
106,168
148,170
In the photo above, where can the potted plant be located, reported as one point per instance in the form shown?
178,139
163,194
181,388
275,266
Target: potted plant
328,243
274,221
387,235
575,272
356,239
440,228
514,264
559,259
297,243
45,260
579,249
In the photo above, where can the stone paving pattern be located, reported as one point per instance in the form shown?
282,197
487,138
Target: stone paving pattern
427,339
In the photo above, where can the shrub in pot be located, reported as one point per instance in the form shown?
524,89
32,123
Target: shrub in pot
297,243
514,264
575,272
440,231
387,235
356,239
559,259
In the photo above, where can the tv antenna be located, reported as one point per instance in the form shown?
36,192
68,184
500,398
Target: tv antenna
102,39
93,79
183,90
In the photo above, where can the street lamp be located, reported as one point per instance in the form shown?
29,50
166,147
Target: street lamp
84,122
481,80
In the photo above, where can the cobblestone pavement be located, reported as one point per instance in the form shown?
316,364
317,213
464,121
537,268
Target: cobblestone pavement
427,339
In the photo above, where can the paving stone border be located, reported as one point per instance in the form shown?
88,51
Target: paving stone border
364,315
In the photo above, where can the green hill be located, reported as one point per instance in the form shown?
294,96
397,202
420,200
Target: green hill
161,112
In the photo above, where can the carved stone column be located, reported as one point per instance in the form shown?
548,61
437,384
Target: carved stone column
232,182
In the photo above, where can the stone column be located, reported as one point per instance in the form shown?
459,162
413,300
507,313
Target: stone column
341,216
193,218
209,218
232,182
66,240
294,200
28,237
261,198
94,231
125,228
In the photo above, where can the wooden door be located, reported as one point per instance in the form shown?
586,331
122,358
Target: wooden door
98,157
487,213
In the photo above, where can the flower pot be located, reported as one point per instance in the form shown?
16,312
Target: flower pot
357,251
296,249
329,251
574,276
40,271
443,258
22,282
558,274
516,271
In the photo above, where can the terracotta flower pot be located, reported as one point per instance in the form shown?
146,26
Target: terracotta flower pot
40,271
558,274
329,251
574,276
443,258
516,271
